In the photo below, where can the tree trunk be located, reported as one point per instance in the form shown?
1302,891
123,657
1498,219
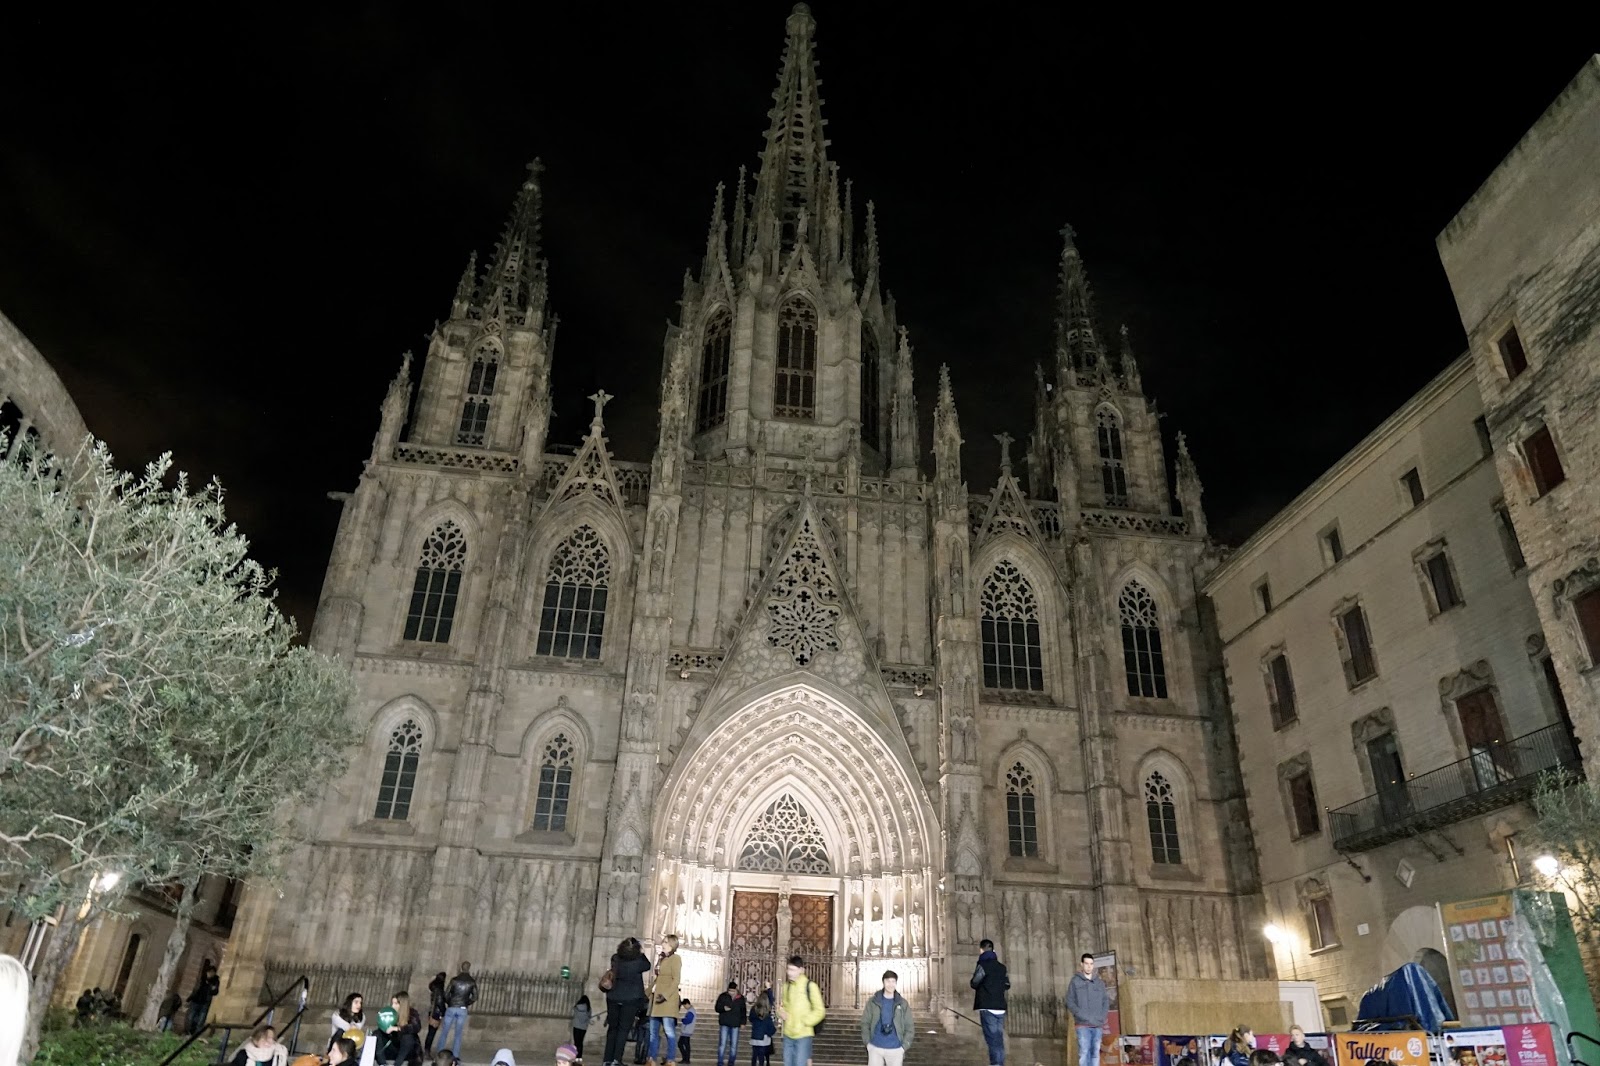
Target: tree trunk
63,945
177,940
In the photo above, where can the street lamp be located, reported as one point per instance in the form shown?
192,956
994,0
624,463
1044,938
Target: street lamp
1547,865
1273,933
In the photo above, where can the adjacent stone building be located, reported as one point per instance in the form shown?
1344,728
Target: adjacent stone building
1393,695
776,689
1523,257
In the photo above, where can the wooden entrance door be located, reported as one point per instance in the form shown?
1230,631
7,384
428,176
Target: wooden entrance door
753,949
811,936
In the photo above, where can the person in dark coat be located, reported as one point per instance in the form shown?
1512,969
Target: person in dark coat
459,995
625,998
435,1009
1300,1053
990,982
205,990
731,1014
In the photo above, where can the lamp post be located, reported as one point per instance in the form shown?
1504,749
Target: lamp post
1279,936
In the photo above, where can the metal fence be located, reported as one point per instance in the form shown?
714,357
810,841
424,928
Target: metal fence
526,994
1035,1016
332,982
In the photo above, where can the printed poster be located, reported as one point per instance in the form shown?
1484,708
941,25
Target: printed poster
1494,985
1401,1049
1277,1043
1173,1050
1529,1045
1105,967
1475,1047
1138,1050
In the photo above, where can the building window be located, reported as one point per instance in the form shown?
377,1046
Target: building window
1508,538
555,786
1480,425
1586,609
714,360
1303,804
1022,824
1388,775
1355,646
794,390
474,426
438,585
1162,814
1411,481
1320,930
1010,631
1264,595
1483,732
1332,545
786,839
1543,462
399,772
573,620
1113,471
1441,583
1141,642
1512,355
1280,691
870,381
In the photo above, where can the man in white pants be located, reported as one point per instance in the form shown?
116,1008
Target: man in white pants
886,1025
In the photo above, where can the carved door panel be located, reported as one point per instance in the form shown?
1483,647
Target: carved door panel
811,936
753,949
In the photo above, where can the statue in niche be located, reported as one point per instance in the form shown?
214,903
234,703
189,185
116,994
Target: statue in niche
658,556
855,931
963,919
958,585
915,922
630,899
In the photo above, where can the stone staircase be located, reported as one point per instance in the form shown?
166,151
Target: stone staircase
839,1043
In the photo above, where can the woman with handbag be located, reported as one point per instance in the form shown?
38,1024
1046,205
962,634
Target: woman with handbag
623,986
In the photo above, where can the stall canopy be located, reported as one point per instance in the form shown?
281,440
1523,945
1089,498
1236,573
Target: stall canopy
1405,999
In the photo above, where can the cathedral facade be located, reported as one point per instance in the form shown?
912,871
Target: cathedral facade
787,687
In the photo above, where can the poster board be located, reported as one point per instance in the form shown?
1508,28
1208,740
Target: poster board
1475,1047
1400,1049
1494,985
1105,968
1172,1050
1137,1050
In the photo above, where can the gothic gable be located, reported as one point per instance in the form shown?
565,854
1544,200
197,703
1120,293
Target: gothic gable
589,475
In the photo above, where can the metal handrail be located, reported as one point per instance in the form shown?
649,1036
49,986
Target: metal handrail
302,982
1572,1053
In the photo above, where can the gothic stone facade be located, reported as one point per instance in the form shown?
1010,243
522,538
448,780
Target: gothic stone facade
777,689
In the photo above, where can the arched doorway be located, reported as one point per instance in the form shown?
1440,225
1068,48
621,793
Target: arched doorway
791,825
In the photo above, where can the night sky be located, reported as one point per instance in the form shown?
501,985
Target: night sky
224,235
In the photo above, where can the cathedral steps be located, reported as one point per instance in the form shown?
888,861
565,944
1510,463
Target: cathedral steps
839,1043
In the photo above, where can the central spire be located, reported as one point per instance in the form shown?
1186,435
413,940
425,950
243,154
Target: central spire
794,166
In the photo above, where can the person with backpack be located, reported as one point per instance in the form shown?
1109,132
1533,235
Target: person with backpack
731,1012
800,1011
990,982
886,1025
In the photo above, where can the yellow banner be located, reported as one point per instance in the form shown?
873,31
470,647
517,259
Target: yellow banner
1402,1049
1476,910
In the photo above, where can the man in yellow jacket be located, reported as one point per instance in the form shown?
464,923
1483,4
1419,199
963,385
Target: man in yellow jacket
800,1011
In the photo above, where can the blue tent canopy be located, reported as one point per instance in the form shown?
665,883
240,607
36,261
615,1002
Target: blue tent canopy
1409,992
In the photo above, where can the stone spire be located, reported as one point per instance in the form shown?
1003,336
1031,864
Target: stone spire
1038,457
1190,489
466,288
794,165
903,414
1078,348
869,255
946,432
516,283
1129,367
716,240
392,415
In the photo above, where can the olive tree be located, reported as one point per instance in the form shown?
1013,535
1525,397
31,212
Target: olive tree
158,719
1567,828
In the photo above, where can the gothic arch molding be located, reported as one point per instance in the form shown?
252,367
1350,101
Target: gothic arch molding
389,716
431,518
1047,587
558,719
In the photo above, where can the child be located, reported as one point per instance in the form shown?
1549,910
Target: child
567,1055
445,1057
761,1030
580,1025
641,1037
685,1030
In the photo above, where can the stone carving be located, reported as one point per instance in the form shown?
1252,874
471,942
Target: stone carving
803,606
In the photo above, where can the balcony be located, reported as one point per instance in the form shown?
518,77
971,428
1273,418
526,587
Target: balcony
1499,777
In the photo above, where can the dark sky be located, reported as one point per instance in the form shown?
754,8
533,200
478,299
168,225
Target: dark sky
223,235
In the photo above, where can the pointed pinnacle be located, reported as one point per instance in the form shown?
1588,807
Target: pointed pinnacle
947,397
469,280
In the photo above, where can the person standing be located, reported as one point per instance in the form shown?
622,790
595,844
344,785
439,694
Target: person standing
886,1025
171,1003
435,1009
761,1032
459,995
800,1010
1088,1002
580,1024
205,990
731,1011
625,997
685,1031
664,1004
990,983
1300,1053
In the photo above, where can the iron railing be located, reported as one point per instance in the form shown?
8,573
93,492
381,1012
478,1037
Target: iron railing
1499,775
332,982
291,1028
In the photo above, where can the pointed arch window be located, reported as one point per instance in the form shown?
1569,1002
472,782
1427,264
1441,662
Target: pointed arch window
786,839
1012,658
1161,811
1022,821
437,586
573,620
794,386
715,355
871,424
399,778
1113,471
474,428
555,785
1141,642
